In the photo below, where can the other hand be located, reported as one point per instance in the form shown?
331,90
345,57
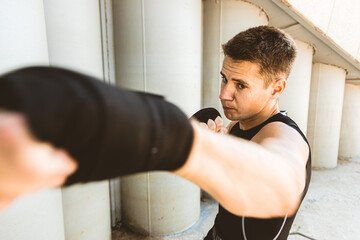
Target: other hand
215,126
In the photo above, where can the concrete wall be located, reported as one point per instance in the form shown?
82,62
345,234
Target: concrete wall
336,18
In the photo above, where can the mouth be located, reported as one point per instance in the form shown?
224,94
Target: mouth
227,108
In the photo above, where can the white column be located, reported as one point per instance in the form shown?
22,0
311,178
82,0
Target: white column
295,98
22,43
223,19
37,216
22,35
158,49
87,211
350,126
158,203
74,40
115,197
74,35
326,101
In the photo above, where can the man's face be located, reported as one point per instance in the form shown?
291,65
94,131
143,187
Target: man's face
243,94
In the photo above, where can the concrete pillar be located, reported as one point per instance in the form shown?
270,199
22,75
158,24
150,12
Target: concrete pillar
23,43
159,203
74,35
158,49
350,128
74,41
115,199
223,19
326,101
87,211
22,35
295,98
37,216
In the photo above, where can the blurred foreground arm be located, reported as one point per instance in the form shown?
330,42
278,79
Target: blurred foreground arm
113,132
109,131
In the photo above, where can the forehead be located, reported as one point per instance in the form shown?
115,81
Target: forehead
238,69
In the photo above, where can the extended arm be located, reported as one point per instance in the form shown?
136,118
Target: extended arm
113,132
262,178
108,130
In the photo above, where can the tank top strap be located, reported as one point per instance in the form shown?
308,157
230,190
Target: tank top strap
279,117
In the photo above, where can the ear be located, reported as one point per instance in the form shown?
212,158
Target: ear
277,87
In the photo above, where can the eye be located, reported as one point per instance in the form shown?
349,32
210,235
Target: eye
241,86
224,80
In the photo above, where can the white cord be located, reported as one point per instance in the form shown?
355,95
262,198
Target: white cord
277,235
243,227
282,226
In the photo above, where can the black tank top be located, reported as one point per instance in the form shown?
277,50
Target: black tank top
229,226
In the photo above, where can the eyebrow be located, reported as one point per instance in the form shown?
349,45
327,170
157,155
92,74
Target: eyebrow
235,80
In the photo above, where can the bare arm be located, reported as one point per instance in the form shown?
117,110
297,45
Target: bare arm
93,121
260,178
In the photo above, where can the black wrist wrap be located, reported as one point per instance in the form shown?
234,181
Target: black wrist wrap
110,131
205,114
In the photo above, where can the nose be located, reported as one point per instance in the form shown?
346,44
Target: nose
227,92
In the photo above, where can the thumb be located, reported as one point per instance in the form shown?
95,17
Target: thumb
37,158
62,162
50,164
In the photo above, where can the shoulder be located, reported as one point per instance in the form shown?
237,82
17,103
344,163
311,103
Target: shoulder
278,129
231,125
281,137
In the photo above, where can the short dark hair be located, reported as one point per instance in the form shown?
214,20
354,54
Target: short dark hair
269,47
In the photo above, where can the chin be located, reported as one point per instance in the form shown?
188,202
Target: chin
230,116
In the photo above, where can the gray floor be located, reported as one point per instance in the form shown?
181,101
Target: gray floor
330,211
332,206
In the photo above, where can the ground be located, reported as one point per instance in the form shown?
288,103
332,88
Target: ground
330,211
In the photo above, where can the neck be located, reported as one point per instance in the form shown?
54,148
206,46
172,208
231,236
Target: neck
259,118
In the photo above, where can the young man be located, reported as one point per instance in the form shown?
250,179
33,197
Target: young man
256,65
112,132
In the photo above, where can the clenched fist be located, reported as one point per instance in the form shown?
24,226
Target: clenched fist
26,164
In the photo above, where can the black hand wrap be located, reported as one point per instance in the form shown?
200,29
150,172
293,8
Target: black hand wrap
109,131
205,114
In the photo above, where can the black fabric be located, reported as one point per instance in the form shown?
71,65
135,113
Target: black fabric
229,226
205,114
110,131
